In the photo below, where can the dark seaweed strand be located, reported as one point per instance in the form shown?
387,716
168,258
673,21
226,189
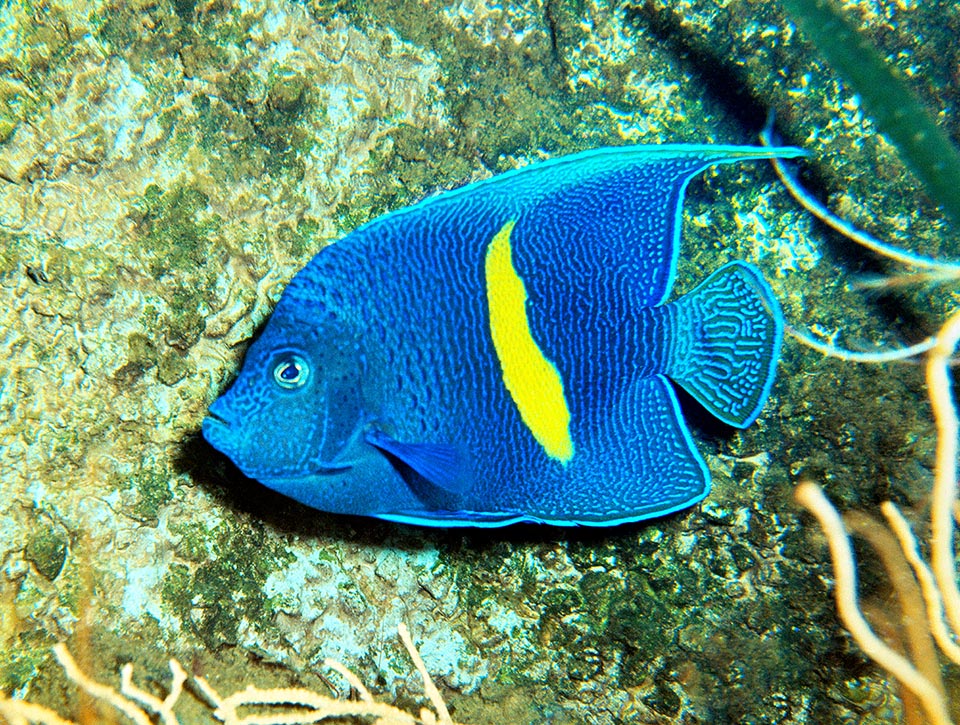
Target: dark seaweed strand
886,98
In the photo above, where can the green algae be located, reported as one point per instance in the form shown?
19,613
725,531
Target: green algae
173,367
300,240
29,66
216,596
20,664
141,357
153,492
173,227
193,542
145,31
325,10
119,25
259,124
12,248
419,161
515,106
507,95
46,549
141,350
255,124
183,328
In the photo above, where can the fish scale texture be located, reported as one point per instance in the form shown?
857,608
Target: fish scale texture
594,240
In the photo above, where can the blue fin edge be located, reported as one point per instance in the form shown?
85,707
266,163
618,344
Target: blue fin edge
418,519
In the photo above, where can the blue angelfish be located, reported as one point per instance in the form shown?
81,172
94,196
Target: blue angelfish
503,353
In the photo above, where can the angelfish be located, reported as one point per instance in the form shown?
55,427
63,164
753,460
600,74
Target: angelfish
504,353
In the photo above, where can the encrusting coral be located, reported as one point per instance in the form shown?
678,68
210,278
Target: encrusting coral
278,706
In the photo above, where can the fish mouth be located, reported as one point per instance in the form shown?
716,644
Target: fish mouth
329,469
218,432
214,419
213,424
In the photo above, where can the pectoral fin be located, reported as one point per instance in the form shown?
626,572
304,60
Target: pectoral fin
444,465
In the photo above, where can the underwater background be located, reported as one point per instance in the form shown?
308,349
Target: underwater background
166,167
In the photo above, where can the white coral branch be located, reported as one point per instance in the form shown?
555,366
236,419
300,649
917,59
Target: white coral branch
284,706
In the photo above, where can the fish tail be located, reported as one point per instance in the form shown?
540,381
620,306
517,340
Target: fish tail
725,342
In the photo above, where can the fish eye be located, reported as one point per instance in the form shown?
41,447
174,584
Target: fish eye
291,372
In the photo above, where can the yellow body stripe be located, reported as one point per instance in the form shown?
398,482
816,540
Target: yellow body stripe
533,381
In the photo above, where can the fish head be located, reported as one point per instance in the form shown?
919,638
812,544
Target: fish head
295,410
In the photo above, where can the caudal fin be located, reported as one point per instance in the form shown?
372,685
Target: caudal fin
726,342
